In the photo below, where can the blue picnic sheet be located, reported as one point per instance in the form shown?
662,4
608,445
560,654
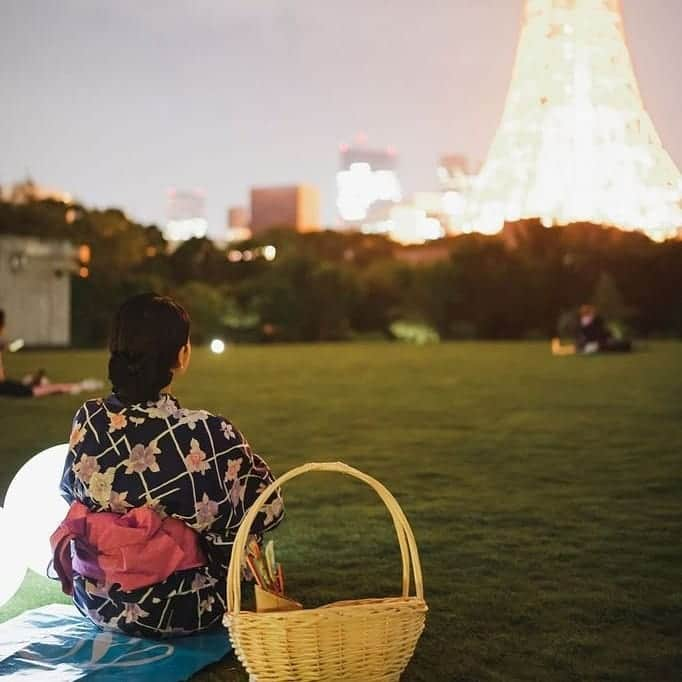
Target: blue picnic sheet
56,644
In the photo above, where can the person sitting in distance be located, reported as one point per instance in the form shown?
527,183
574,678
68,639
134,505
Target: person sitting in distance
157,491
593,336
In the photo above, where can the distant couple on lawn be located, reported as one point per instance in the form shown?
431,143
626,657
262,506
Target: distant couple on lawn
157,491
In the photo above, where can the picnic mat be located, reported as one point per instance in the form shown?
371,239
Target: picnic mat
56,644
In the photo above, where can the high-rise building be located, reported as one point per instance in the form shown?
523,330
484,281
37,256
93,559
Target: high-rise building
455,177
185,215
369,197
296,207
238,228
575,143
237,217
367,184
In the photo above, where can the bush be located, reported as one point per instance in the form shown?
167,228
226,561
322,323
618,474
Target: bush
414,332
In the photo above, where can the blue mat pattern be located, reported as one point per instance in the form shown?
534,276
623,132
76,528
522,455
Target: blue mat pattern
56,644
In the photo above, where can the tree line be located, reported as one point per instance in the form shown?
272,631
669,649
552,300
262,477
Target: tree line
525,282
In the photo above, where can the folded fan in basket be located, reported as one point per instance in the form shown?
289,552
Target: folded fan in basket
269,577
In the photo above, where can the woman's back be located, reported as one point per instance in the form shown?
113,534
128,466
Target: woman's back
186,464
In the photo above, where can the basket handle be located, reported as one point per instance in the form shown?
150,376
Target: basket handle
408,547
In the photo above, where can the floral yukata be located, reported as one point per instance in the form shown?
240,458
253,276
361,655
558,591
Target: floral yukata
188,464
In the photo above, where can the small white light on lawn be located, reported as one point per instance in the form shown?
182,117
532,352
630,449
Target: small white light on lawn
217,346
14,346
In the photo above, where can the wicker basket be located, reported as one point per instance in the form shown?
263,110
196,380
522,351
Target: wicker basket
368,640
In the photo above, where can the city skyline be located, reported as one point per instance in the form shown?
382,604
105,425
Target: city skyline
115,104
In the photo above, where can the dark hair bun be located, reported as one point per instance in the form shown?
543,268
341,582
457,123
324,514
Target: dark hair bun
137,378
147,335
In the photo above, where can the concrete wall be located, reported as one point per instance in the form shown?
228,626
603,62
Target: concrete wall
35,290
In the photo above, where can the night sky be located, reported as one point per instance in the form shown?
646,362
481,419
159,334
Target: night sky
117,101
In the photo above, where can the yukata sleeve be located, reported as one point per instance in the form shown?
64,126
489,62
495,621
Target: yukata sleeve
244,475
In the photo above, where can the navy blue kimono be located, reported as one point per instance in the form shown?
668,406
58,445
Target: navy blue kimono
188,464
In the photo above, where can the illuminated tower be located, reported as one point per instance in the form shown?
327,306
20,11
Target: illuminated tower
575,142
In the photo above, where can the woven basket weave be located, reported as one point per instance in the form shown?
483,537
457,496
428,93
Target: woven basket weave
367,640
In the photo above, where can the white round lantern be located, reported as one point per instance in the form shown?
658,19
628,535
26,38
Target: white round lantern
34,506
217,346
13,563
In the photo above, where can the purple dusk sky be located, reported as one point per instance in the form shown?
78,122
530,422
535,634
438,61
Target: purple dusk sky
116,101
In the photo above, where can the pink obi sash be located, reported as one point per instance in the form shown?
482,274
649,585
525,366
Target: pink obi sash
135,549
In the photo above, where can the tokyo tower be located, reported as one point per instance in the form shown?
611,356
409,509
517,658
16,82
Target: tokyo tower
575,143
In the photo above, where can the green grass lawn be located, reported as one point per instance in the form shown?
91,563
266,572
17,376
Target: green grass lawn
545,493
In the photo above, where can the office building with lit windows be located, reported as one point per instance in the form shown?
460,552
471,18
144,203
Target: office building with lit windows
367,185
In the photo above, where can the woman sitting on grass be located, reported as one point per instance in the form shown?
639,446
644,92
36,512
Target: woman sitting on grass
157,491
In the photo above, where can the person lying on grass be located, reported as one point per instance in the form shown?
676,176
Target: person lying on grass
38,385
157,491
